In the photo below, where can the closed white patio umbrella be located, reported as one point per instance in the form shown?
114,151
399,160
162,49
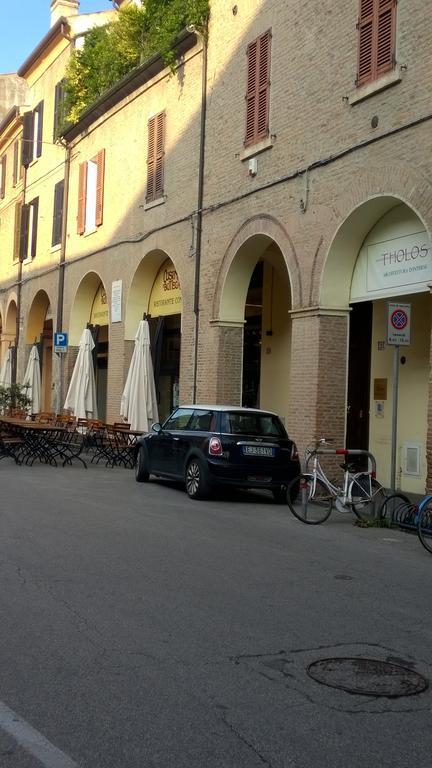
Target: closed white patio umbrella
81,395
6,370
32,381
138,403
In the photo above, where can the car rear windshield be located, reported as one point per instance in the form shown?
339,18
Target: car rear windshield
261,424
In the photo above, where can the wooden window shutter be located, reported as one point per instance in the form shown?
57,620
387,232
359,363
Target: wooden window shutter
35,210
27,142
15,163
58,213
3,177
17,231
366,39
100,161
377,39
386,36
39,110
82,195
151,151
258,89
159,156
24,231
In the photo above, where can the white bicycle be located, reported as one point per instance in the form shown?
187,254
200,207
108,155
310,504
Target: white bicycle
312,495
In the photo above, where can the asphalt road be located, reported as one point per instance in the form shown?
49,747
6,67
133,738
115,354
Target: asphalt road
139,629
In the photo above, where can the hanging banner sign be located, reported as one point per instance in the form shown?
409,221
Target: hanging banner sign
99,314
396,263
165,297
116,301
399,324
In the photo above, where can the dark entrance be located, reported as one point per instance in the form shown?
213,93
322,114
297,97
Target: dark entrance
165,339
252,339
359,370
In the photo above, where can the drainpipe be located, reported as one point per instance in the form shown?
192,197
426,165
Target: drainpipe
62,265
19,283
200,206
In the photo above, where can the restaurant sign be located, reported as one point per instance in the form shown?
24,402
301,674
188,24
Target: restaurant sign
99,314
404,261
166,297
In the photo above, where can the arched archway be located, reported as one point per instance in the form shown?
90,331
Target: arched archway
39,330
90,309
255,294
156,292
382,252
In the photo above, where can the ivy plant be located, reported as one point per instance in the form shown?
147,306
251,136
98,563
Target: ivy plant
136,33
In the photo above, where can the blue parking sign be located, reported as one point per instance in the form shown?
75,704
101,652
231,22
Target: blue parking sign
60,342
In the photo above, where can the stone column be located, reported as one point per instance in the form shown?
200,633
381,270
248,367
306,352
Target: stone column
221,363
319,367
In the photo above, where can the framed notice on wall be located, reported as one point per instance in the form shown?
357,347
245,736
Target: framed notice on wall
116,301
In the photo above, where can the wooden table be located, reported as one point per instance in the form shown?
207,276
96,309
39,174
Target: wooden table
46,442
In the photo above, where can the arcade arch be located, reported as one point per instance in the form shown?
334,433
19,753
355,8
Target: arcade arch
39,331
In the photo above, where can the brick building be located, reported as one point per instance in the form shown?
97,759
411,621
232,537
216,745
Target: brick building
263,222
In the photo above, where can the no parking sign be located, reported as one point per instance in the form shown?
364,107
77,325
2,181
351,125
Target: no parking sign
399,324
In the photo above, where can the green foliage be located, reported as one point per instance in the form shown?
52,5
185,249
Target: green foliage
13,397
135,34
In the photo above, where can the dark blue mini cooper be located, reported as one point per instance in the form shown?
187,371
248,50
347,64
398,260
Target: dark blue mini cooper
211,445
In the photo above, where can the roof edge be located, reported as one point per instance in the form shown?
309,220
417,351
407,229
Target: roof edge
128,84
61,26
9,117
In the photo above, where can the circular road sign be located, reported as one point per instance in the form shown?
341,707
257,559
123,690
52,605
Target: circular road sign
399,319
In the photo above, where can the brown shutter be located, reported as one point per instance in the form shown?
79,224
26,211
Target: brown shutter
3,177
386,36
263,86
24,232
17,228
159,155
151,159
82,194
57,213
251,90
35,210
15,162
258,89
39,110
377,37
100,161
366,40
27,141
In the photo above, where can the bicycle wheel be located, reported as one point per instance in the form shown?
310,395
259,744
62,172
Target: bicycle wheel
366,496
393,507
424,524
309,499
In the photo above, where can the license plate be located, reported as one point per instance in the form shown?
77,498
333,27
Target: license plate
258,450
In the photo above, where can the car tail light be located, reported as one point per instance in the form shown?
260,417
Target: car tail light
294,452
215,447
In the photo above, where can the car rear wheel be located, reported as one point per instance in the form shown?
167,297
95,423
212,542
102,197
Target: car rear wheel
141,466
197,486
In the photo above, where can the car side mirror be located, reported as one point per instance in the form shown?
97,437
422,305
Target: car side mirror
156,427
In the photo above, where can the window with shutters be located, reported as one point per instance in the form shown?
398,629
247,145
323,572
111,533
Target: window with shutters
57,213
258,89
32,135
91,194
2,177
155,157
377,39
59,108
28,230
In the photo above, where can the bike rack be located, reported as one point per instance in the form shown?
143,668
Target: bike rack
350,452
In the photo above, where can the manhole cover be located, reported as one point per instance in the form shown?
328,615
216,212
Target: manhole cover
369,677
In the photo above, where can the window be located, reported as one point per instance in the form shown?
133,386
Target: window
17,167
258,89
155,157
90,193
28,230
32,135
377,39
2,177
202,421
59,108
248,423
179,420
57,213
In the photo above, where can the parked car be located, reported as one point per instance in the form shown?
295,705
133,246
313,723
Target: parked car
211,445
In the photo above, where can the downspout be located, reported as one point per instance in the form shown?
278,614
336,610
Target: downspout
19,283
62,265
200,207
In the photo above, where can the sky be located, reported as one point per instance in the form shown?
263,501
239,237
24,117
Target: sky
24,23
